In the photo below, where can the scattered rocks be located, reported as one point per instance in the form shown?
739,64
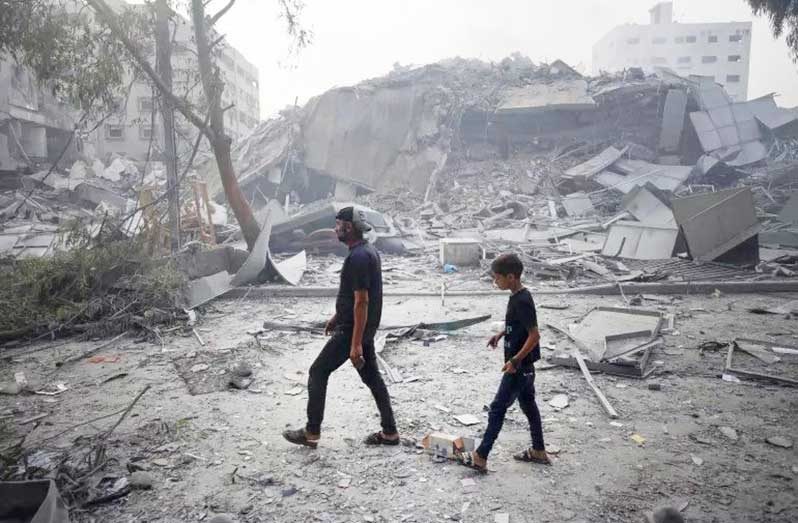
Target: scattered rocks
696,460
666,515
289,491
242,369
729,433
560,401
221,518
199,367
239,382
141,480
779,441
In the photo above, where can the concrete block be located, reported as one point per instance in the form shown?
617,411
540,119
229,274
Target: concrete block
461,252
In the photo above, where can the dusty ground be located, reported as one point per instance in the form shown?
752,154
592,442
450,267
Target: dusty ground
222,452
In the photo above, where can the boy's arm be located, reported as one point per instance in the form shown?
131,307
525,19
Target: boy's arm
531,341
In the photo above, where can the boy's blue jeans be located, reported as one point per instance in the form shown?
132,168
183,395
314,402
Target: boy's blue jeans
520,386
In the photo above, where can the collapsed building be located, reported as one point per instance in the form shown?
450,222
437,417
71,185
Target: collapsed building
448,133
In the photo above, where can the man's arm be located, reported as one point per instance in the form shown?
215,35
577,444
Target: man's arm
361,311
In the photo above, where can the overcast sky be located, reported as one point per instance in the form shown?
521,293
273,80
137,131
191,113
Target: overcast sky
358,39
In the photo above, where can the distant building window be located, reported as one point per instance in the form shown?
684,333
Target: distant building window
114,132
659,40
735,38
713,39
633,41
659,60
733,79
690,39
684,60
145,132
145,105
679,40
709,59
735,58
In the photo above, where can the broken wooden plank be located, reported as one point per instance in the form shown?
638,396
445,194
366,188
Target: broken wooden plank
580,360
768,358
394,375
33,419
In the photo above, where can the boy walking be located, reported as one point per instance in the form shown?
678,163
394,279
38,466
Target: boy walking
521,350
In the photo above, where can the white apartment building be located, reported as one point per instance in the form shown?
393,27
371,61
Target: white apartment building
719,50
131,132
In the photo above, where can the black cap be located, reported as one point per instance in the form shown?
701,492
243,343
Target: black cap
346,214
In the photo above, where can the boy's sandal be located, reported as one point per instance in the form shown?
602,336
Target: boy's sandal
529,456
300,437
378,439
466,459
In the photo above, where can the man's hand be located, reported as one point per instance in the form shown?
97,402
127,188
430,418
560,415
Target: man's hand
509,367
329,327
494,340
356,356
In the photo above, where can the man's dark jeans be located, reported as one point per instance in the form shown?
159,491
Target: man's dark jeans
334,354
519,386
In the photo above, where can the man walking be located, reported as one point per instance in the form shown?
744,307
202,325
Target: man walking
357,315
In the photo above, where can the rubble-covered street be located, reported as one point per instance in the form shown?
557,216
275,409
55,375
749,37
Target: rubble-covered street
169,260
684,435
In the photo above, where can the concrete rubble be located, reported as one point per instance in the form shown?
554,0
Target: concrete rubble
658,225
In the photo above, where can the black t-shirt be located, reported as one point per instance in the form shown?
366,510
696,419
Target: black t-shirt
520,319
362,270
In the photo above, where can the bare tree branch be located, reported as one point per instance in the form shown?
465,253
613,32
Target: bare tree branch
215,18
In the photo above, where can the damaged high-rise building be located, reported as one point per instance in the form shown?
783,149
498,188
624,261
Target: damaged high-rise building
720,50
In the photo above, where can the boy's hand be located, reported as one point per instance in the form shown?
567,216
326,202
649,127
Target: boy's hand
509,368
494,340
329,327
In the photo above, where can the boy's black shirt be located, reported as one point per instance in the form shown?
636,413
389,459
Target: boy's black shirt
519,320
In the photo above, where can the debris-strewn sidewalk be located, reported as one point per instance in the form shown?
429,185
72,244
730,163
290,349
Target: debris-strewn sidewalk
196,445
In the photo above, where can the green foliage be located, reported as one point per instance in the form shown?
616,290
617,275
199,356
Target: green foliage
101,285
75,57
783,14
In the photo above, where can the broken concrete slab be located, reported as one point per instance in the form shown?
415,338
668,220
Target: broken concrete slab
780,121
596,164
560,95
460,252
673,117
624,175
789,213
608,332
292,269
578,204
715,223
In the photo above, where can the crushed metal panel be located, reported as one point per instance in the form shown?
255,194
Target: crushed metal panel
256,261
595,165
292,269
203,290
673,120
639,241
571,95
771,115
714,223
648,206
706,131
